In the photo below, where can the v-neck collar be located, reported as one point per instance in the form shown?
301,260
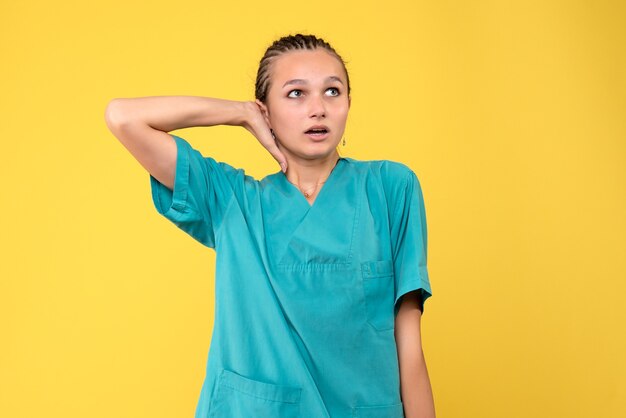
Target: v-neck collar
293,192
293,225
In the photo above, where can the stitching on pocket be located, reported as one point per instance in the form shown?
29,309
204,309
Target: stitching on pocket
263,390
378,268
385,411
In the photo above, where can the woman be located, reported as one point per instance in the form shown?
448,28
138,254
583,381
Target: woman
321,266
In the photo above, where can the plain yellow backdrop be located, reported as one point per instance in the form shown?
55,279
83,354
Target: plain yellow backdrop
510,113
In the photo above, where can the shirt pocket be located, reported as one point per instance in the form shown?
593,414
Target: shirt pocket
378,286
239,396
395,410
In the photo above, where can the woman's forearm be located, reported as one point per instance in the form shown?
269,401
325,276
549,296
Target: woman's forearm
416,391
134,121
168,113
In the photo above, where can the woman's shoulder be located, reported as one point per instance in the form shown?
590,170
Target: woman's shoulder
388,170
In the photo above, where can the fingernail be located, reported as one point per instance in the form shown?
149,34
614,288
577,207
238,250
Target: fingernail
283,167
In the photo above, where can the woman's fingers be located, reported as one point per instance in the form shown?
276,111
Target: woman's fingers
273,149
260,129
267,140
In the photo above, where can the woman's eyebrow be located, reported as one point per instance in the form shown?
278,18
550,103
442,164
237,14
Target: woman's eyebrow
301,81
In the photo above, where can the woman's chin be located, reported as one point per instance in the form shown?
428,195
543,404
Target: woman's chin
311,150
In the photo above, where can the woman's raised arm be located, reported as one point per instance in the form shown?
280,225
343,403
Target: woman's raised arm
141,125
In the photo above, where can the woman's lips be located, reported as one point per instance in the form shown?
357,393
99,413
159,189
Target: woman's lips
317,136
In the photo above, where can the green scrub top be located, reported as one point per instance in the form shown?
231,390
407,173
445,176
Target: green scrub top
305,295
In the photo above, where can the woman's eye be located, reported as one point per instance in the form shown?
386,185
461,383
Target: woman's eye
300,92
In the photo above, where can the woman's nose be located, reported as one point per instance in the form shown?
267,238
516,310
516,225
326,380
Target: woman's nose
317,106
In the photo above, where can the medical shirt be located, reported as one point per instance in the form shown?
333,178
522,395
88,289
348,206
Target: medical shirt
305,295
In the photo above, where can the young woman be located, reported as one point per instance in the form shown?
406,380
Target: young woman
321,272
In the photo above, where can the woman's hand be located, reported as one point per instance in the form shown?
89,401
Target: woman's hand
255,122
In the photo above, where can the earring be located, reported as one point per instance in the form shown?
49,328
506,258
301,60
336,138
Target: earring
273,136
344,141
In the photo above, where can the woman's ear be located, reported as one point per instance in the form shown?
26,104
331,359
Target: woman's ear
264,110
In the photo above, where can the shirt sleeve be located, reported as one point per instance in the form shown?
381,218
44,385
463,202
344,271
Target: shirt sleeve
409,242
202,191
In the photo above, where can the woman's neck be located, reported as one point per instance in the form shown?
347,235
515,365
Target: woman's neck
308,174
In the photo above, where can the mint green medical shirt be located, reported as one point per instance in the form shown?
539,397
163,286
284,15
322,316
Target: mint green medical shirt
305,295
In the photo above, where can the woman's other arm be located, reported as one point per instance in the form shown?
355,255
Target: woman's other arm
416,392
141,125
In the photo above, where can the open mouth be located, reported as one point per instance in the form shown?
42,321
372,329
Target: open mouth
316,132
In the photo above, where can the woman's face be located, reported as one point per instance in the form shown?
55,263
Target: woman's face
307,88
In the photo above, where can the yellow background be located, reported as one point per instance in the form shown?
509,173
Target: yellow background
512,114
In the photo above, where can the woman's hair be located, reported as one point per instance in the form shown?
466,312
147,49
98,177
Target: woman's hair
287,44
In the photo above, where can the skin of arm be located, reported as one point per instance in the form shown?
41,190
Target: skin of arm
141,125
415,388
168,113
